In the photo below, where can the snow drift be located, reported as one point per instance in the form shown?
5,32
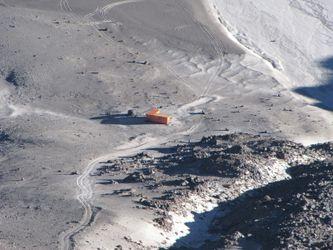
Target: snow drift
295,36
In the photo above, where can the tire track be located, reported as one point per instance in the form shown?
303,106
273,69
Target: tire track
218,50
86,192
83,182
141,143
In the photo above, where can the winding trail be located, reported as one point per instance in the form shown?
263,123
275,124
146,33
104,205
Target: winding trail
83,182
85,187
66,240
136,146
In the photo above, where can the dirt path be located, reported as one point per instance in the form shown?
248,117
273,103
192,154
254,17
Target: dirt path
140,143
136,146
85,188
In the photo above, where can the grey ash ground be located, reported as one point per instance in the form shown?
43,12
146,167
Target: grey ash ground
284,211
71,69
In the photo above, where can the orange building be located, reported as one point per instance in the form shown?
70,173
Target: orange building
155,116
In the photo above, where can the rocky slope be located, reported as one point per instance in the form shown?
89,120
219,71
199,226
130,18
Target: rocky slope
290,214
272,193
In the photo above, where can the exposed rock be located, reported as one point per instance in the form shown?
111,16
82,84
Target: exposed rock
295,213
292,213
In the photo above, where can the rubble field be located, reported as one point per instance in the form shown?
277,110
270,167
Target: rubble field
262,191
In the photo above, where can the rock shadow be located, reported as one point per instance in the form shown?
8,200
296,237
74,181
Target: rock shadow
322,93
293,211
199,232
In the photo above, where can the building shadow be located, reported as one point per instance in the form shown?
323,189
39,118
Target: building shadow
121,119
323,94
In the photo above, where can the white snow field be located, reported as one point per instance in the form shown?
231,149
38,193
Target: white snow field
294,36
